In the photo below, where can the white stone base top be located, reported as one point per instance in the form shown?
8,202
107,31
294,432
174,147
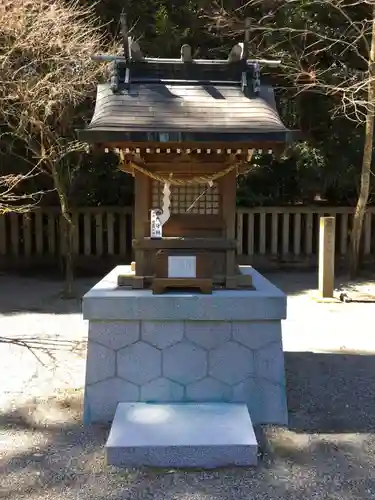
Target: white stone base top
204,435
107,301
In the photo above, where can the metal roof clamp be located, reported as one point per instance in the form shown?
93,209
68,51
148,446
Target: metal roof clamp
114,77
256,78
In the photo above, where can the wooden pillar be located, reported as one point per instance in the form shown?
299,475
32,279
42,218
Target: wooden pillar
327,256
141,216
228,187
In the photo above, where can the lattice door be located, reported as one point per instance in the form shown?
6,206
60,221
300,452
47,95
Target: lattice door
183,197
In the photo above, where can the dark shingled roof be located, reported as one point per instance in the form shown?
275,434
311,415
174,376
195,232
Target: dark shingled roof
212,108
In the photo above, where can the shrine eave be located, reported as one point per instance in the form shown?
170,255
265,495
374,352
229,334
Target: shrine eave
118,137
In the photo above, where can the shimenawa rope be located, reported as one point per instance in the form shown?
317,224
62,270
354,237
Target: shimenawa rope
199,179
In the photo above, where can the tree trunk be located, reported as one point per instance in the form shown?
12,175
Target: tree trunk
69,261
68,234
356,234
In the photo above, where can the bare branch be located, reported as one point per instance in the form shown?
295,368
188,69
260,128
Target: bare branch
317,54
47,74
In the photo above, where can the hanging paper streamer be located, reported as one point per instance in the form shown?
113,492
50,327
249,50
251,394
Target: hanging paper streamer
160,217
166,204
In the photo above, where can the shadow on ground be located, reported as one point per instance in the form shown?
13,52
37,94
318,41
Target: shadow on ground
328,451
331,392
46,350
41,295
300,283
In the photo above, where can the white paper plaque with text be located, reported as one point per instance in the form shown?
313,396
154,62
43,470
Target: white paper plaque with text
182,267
156,231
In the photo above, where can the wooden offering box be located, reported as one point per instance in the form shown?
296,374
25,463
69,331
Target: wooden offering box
185,129
177,270
196,235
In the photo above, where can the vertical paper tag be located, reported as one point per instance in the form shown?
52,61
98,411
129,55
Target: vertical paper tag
156,227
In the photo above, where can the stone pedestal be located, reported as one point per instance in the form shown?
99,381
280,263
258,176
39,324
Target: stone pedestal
204,435
184,347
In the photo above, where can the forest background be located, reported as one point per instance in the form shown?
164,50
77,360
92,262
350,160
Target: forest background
324,168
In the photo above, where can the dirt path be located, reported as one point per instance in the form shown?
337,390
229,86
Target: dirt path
32,314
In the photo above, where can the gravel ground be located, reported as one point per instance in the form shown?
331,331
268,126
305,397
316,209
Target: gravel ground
327,452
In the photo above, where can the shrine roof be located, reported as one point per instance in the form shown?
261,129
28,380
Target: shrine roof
202,112
185,100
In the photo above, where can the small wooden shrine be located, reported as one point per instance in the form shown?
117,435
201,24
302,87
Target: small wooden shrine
185,129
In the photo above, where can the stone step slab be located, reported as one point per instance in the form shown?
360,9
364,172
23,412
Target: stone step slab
183,435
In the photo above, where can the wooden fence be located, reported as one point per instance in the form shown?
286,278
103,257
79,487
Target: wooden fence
273,234
293,232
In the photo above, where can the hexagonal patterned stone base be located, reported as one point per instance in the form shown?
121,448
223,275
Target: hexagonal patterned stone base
176,347
199,361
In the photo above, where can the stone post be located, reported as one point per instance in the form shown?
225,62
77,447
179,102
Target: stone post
326,256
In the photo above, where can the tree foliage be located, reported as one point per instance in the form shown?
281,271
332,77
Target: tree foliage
326,166
327,49
304,35
47,76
